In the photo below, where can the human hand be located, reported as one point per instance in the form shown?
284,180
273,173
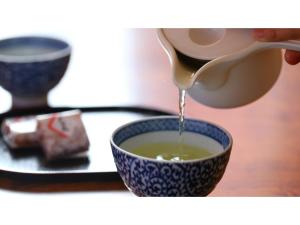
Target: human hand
292,57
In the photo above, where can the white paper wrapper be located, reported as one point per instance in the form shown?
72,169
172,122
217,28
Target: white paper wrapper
62,134
20,132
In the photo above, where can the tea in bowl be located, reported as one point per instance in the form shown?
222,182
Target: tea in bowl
154,160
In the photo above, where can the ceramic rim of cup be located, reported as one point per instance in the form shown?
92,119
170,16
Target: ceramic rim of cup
224,151
56,54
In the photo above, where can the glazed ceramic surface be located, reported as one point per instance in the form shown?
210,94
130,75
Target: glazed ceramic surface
218,82
151,177
31,66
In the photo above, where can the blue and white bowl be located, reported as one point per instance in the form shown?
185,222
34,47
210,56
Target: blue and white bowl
152,177
31,66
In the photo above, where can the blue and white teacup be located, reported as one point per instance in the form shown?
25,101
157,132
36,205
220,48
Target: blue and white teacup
152,177
30,66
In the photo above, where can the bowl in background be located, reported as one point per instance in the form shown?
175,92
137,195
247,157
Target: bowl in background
31,66
151,177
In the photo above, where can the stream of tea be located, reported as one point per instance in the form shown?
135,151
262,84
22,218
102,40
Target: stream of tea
173,151
185,70
182,93
178,151
180,143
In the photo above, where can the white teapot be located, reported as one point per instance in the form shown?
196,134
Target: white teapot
223,68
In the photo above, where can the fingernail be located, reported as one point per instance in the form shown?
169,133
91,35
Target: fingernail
292,57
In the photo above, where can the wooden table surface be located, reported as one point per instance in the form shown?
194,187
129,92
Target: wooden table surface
265,159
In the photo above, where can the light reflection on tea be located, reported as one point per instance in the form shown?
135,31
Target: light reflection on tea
171,151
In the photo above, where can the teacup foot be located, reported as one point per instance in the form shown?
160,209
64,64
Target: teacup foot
29,102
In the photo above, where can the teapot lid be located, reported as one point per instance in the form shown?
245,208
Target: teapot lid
208,43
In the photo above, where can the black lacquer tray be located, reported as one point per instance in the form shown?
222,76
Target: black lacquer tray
98,163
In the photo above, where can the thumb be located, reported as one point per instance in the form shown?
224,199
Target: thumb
276,34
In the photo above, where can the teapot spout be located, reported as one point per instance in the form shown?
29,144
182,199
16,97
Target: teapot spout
183,75
184,68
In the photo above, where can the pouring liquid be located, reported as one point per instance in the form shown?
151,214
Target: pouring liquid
185,69
180,143
182,93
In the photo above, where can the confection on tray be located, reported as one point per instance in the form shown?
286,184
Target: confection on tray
20,132
59,135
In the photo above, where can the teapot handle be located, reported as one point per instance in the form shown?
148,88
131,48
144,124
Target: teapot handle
290,45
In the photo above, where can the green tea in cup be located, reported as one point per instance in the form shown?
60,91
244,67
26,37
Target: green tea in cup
171,151
169,145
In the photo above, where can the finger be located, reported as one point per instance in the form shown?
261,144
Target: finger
292,57
263,34
276,34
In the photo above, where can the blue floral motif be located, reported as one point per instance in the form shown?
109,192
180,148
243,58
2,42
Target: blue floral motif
171,124
164,178
33,78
